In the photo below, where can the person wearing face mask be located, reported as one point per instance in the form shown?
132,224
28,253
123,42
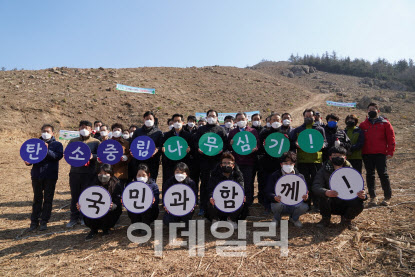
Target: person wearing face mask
308,163
201,122
181,176
81,177
318,120
143,175
178,130
121,168
103,133
126,135
131,131
97,128
286,124
191,125
207,163
44,177
288,160
225,170
228,124
334,135
257,122
257,171
267,123
357,140
330,204
245,162
268,163
151,130
170,124
379,146
108,181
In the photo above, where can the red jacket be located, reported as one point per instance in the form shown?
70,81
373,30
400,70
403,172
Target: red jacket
379,137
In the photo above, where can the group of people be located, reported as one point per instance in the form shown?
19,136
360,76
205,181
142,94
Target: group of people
371,143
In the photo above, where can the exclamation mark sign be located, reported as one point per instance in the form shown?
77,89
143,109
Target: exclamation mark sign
311,141
347,183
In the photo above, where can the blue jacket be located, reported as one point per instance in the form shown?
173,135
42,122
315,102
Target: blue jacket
49,167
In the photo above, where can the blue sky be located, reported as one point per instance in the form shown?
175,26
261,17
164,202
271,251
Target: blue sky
118,34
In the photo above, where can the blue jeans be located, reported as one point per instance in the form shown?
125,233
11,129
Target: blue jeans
294,212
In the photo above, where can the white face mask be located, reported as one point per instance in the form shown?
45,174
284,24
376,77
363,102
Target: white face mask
241,124
177,125
126,136
97,128
110,134
268,124
149,123
276,125
170,127
256,123
288,168
131,134
211,120
191,124
84,132
142,179
46,136
228,124
103,133
286,122
116,134
180,177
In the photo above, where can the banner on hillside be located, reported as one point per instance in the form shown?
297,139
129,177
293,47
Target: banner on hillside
68,135
341,104
135,90
221,116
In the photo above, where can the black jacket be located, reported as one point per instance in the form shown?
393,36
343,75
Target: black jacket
332,134
183,134
210,129
153,132
49,167
216,176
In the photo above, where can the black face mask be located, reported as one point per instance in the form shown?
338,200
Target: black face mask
337,161
226,169
308,120
350,124
372,114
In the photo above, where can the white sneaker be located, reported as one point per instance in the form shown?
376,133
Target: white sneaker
234,224
297,223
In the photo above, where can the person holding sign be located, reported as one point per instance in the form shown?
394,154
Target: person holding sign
175,151
151,130
181,176
225,170
330,203
357,140
206,162
269,163
310,157
108,181
121,168
288,160
44,177
379,147
334,135
81,177
151,214
244,150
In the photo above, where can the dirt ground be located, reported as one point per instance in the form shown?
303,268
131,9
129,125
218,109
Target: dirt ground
384,245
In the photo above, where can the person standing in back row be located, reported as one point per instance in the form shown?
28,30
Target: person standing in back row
208,163
379,147
81,177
